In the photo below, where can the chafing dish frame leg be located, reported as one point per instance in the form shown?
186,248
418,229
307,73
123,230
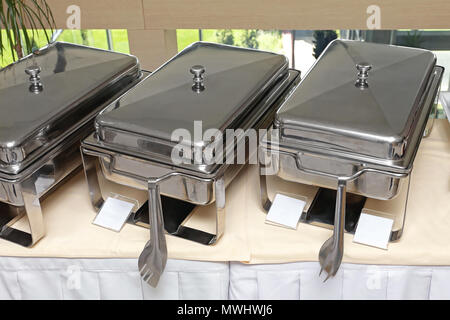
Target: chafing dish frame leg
263,168
200,236
90,171
29,191
397,234
32,209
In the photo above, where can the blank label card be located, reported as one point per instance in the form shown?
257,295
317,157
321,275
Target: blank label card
113,214
285,211
373,231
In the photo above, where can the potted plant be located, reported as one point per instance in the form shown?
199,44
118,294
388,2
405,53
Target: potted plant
20,21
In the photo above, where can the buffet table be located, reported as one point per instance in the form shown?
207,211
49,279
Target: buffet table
252,260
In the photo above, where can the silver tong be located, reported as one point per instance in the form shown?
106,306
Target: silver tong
153,258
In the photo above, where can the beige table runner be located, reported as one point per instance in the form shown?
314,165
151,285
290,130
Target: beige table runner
68,216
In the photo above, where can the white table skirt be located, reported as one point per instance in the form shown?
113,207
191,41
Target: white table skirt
300,281
55,278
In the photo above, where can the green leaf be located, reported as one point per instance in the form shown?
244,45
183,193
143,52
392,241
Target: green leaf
21,19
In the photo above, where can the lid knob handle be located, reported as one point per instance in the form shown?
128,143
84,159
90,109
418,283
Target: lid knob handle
198,82
35,80
363,74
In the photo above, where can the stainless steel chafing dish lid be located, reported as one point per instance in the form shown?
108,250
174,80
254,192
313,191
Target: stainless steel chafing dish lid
360,99
47,95
230,82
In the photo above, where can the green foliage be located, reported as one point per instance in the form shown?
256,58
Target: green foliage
225,36
413,39
20,21
266,39
249,39
186,36
321,40
84,36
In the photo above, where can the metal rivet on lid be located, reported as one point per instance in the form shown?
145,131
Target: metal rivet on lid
363,74
198,71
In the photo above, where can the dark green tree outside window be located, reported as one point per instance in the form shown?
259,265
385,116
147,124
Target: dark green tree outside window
321,40
225,36
249,39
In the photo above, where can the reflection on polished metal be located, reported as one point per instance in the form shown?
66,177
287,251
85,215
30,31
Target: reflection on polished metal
132,147
357,141
63,106
379,122
234,86
40,133
198,72
35,79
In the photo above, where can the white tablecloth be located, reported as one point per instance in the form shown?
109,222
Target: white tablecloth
57,278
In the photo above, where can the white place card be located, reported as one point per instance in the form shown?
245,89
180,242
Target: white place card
285,211
373,231
113,214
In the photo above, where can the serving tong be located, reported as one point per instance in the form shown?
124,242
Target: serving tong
153,258
332,250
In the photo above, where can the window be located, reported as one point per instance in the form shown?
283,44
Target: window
116,40
299,51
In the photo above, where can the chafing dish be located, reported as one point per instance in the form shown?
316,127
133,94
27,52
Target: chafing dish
354,124
222,86
48,101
